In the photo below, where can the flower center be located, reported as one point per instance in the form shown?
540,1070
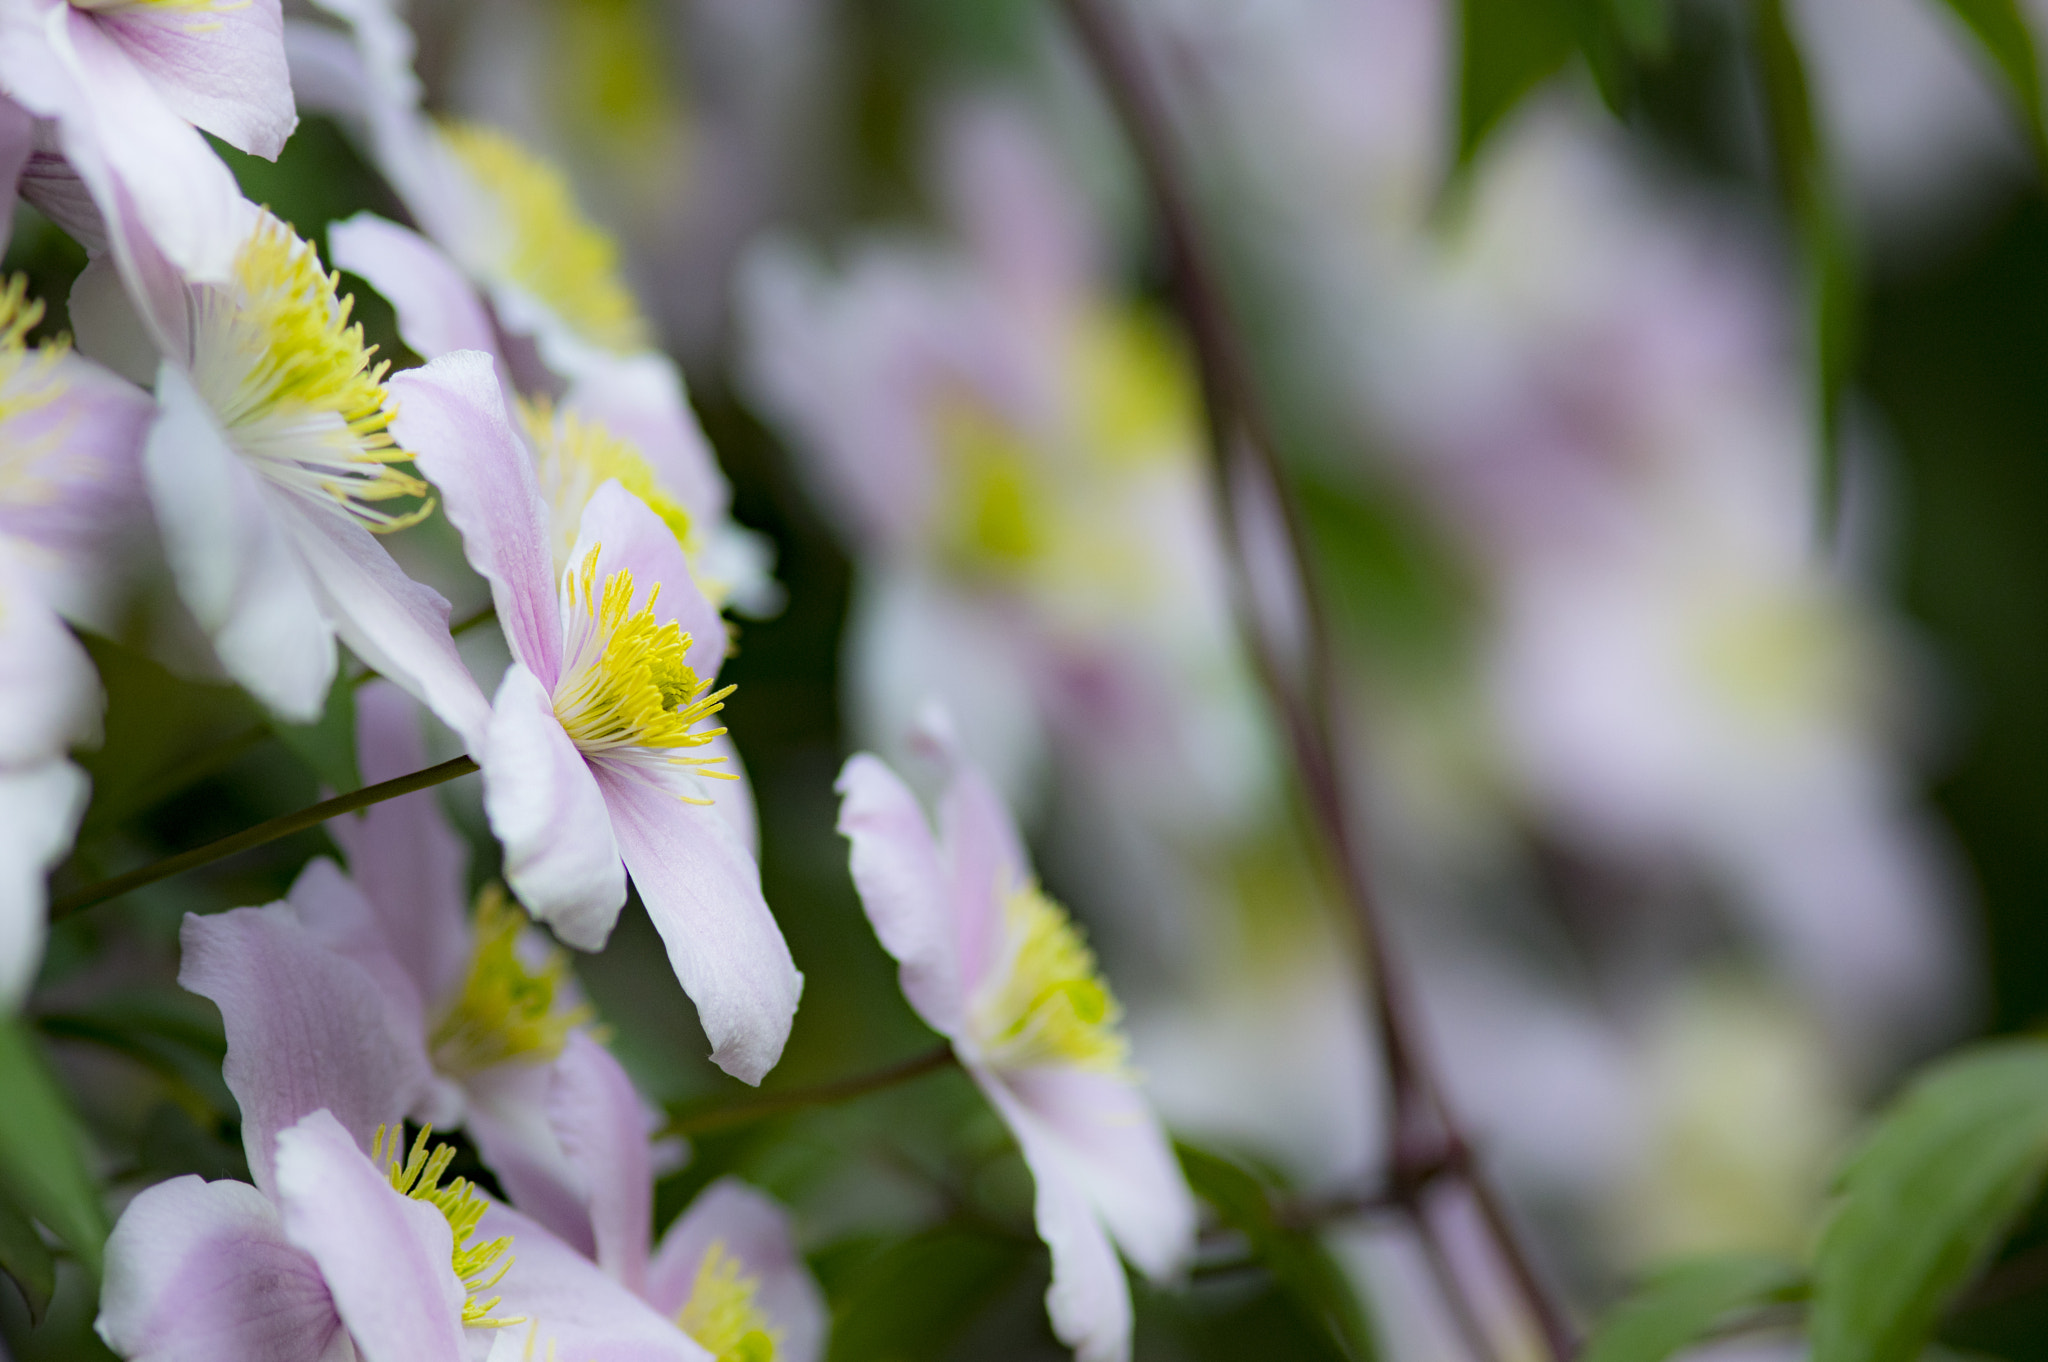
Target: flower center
1048,1004
507,1009
625,689
573,457
722,1313
290,378
479,1267
544,243
28,382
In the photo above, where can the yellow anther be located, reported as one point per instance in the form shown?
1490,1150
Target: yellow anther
548,248
573,456
507,1010
479,1267
27,372
276,357
723,1313
624,683
1047,1003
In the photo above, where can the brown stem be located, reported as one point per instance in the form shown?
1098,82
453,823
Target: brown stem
283,826
698,1120
1301,690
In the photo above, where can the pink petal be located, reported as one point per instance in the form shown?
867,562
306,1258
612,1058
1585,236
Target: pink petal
507,1116
704,894
603,1127
17,139
202,1271
579,1312
411,866
896,869
306,1029
335,913
387,1258
398,626
561,858
753,1228
226,72
628,536
641,397
451,415
986,864
438,308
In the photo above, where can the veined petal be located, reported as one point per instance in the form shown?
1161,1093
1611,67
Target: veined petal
507,1116
1090,1298
752,1228
902,886
451,415
387,1258
306,1029
225,73
398,626
201,1271
438,309
39,811
233,560
17,139
409,863
985,864
577,1310
602,1124
736,797
334,911
703,892
561,859
629,537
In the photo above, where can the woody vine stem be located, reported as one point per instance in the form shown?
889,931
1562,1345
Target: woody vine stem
1291,650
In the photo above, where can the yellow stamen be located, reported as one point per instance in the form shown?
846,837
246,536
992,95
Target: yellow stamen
27,372
722,1313
275,356
548,248
573,456
1049,1005
624,683
479,1267
507,1009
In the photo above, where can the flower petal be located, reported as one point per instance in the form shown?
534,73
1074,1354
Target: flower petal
306,1029
396,625
577,1310
49,693
387,1258
896,868
641,398
704,894
233,559
561,858
17,140
333,910
985,864
753,1228
201,1271
225,74
451,415
1090,1298
630,537
409,863
438,308
507,1116
39,811
602,1124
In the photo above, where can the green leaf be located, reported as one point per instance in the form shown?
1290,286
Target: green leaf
42,1150
915,1297
1927,1198
28,1260
2001,26
1507,49
328,745
1645,25
1677,1306
1296,1258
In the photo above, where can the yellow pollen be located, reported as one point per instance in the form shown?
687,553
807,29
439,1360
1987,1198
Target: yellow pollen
549,248
291,380
574,456
479,1267
507,1009
722,1313
624,683
27,372
1049,1005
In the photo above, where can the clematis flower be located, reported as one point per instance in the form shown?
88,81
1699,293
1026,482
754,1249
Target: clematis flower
272,471
996,967
594,760
128,87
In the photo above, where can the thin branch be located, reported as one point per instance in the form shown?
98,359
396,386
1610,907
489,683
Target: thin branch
248,838
1424,1132
697,1120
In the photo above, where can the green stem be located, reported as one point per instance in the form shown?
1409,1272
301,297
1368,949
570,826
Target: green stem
283,826
697,1119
